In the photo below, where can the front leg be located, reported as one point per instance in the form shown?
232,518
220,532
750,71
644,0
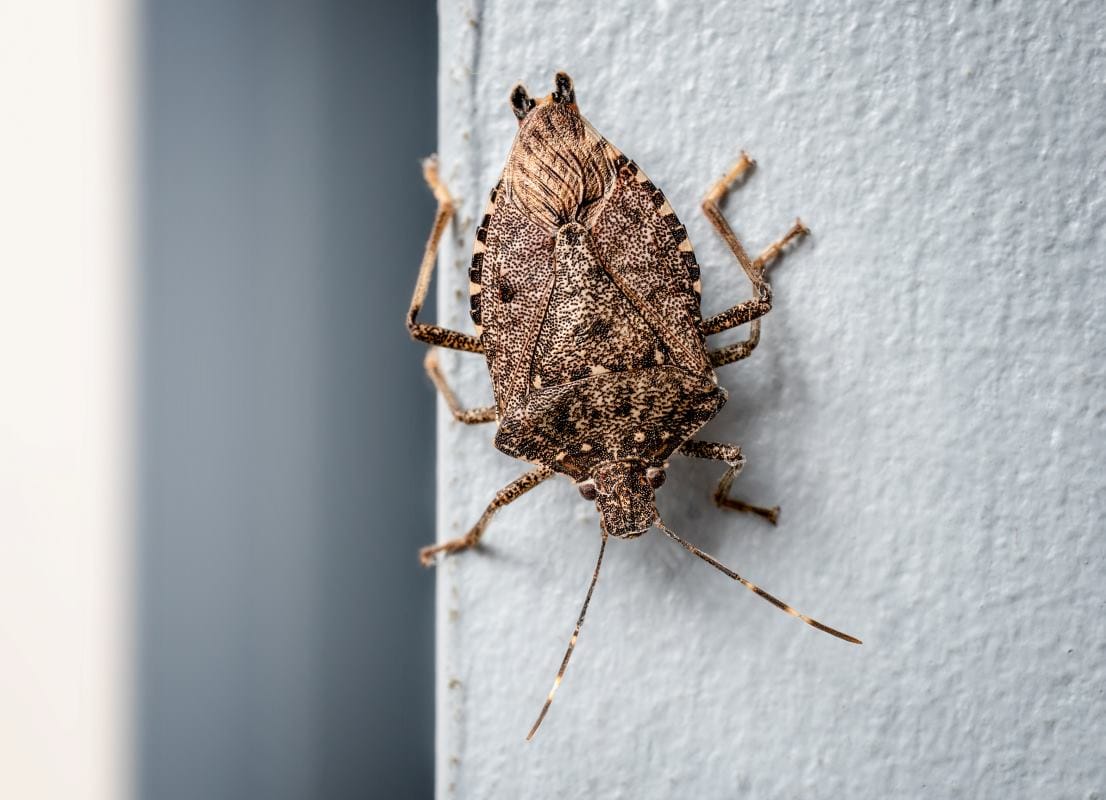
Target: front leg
505,496
731,454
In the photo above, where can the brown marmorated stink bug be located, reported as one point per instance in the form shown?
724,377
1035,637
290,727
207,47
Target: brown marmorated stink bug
585,294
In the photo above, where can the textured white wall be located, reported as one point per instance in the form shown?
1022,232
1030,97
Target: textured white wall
927,405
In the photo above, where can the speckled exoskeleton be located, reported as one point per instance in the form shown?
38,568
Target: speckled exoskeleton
585,293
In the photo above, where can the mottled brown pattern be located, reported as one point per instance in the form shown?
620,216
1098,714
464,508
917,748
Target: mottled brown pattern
641,415
589,324
585,294
518,263
609,289
640,245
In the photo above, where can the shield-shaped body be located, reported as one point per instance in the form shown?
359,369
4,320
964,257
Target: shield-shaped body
585,292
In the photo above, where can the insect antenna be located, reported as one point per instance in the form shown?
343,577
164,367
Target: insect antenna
571,642
754,588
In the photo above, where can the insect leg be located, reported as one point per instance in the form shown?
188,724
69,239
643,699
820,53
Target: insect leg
712,210
469,416
775,250
751,310
731,454
505,496
432,334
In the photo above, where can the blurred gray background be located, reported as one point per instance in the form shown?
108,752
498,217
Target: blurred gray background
286,461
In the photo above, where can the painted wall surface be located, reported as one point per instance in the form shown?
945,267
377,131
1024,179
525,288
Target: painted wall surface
927,406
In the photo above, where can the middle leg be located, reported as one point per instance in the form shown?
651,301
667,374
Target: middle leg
469,416
731,455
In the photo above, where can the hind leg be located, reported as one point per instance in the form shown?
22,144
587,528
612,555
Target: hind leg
731,455
433,334
749,311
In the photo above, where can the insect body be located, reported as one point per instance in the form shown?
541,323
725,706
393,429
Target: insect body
585,293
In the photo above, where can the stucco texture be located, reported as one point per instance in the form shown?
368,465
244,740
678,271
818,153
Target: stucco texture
927,406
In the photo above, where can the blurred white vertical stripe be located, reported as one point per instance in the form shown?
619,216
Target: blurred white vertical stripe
66,149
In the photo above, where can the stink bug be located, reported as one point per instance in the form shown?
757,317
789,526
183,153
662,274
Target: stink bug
585,293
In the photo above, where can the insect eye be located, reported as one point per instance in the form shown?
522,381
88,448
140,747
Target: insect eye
587,490
656,477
